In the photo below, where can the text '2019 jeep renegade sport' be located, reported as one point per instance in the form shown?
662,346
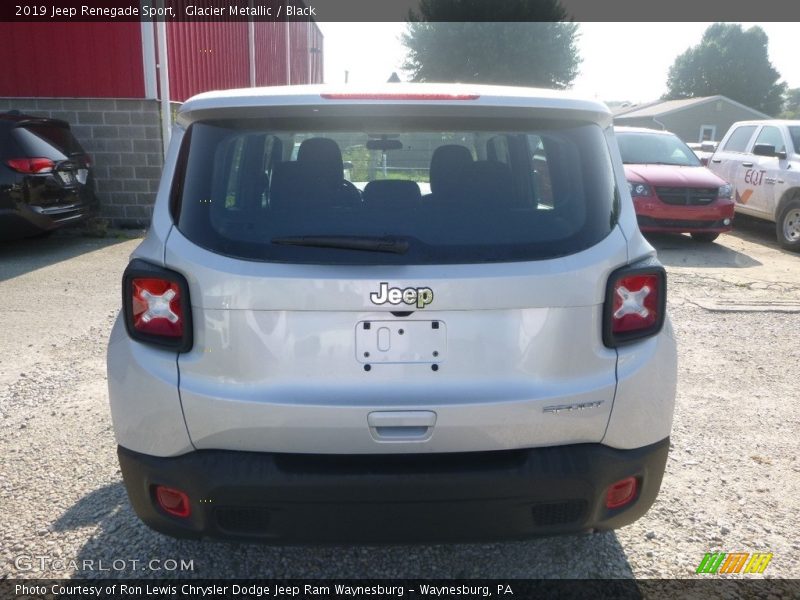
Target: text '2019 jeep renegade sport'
464,340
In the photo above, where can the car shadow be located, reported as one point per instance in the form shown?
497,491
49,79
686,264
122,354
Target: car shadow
121,537
676,250
758,231
18,257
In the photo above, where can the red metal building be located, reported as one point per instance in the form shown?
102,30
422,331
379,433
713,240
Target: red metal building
114,83
120,60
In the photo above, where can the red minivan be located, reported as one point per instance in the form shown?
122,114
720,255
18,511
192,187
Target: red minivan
672,191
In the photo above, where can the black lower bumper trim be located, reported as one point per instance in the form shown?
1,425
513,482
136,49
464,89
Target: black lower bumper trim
283,498
23,221
688,225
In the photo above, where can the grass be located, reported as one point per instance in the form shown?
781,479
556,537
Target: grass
418,175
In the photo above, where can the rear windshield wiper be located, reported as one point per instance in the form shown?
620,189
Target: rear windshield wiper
346,242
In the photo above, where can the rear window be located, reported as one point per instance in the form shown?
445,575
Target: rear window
794,133
655,149
434,191
771,136
739,138
46,140
61,137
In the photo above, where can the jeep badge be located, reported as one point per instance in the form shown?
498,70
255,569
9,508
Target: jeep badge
419,296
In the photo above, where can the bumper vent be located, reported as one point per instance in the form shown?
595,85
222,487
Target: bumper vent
243,521
559,513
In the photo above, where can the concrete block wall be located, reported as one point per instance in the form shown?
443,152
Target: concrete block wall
123,137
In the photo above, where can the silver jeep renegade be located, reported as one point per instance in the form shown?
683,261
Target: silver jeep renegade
397,314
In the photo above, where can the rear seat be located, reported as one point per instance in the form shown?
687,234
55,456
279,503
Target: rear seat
392,194
447,165
477,184
486,182
289,187
314,180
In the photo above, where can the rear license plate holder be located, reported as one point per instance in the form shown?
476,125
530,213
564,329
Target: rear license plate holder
404,342
66,177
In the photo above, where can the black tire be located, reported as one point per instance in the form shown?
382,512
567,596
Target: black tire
704,237
787,225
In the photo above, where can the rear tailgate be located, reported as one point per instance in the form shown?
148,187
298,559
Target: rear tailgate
279,359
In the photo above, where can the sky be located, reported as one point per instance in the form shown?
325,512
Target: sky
621,61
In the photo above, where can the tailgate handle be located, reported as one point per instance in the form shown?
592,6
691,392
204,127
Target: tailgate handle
401,425
747,164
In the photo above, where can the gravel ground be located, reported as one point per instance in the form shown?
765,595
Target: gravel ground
732,481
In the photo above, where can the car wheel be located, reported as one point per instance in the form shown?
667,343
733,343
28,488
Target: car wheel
787,226
704,237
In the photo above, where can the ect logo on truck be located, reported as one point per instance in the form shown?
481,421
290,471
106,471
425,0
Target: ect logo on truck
420,297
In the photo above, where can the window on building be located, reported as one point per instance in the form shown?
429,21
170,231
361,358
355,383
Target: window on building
707,133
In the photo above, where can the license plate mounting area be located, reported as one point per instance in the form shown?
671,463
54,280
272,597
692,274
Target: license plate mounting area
387,342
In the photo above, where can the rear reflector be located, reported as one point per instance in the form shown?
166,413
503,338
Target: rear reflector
622,492
172,501
155,303
400,96
635,303
31,165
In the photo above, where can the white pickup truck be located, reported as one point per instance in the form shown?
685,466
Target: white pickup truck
761,160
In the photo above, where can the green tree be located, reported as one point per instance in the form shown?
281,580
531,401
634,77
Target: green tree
732,62
791,104
527,43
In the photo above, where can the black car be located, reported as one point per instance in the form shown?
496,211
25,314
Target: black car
46,178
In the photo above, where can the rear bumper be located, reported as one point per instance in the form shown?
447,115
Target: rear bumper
24,220
280,498
648,224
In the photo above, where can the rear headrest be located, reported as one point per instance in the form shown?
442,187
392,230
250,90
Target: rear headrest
392,193
447,163
288,186
322,158
487,182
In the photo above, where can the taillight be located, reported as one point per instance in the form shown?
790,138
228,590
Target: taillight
635,303
156,306
31,166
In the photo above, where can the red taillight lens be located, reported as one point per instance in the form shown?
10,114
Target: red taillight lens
622,492
635,304
172,501
156,307
155,304
31,166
